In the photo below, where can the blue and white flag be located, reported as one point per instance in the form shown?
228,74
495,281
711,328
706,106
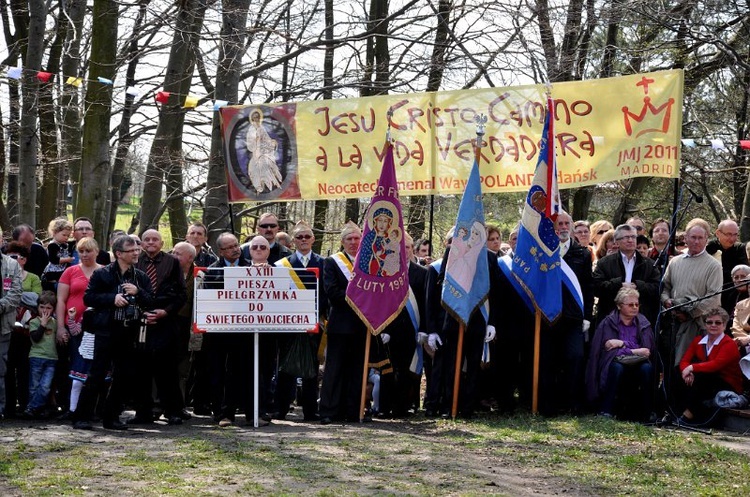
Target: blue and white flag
467,277
536,261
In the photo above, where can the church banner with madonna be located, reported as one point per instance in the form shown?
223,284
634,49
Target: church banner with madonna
606,130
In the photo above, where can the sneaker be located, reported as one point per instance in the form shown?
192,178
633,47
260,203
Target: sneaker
225,422
174,420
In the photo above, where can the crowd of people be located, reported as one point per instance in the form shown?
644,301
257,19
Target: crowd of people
87,334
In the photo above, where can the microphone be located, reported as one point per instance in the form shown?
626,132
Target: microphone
698,198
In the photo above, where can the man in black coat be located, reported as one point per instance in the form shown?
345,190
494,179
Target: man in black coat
732,253
157,354
397,390
229,355
626,268
303,257
115,292
561,361
342,377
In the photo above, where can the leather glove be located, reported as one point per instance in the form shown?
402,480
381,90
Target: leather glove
490,335
421,338
385,337
433,340
586,325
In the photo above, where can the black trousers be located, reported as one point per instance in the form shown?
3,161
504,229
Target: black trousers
342,377
110,355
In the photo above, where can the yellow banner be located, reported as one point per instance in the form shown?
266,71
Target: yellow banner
606,130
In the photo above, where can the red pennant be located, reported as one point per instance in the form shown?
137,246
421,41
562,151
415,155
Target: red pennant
162,97
44,77
745,144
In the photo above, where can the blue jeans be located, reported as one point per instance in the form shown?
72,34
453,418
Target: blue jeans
41,373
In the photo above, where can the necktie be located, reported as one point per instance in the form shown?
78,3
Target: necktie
151,273
563,250
304,260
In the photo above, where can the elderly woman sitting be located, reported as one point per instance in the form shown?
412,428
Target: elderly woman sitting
622,353
710,364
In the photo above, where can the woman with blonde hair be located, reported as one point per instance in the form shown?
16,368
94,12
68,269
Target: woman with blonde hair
606,245
598,228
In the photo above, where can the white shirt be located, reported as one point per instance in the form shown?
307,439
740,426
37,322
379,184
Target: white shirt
629,266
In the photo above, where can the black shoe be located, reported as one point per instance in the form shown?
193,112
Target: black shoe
312,417
82,425
326,421
202,411
66,416
278,416
265,417
115,425
174,420
140,420
184,415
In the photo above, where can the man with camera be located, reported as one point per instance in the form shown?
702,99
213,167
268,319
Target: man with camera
117,293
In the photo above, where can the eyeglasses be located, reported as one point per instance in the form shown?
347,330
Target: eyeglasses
130,251
303,237
84,229
632,304
714,323
638,228
601,232
731,235
268,226
258,247
14,256
627,237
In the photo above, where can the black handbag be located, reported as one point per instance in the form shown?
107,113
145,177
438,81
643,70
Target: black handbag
299,360
630,360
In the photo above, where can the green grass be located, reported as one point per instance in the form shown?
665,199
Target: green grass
583,455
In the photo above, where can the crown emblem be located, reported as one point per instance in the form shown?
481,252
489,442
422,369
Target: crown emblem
651,118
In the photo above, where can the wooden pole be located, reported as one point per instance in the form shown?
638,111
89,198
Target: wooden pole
365,370
535,387
457,376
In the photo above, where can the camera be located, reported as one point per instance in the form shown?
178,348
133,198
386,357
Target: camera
131,311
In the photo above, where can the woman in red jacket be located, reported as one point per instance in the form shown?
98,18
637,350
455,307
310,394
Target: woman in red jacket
711,364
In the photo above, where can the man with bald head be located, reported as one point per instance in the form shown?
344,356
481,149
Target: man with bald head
157,356
728,250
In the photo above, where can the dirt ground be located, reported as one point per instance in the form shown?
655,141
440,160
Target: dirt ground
416,457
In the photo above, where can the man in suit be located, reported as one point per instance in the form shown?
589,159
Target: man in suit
398,389
342,376
561,385
626,268
229,354
303,257
157,356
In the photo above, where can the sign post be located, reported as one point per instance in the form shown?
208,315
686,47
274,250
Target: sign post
254,299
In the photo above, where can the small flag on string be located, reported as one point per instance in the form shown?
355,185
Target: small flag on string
218,104
105,81
718,144
14,72
132,91
72,80
688,142
745,144
44,77
191,102
162,97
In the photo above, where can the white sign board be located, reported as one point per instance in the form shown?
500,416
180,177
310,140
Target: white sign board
256,299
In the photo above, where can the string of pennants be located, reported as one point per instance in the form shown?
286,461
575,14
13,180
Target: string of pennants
162,97
191,102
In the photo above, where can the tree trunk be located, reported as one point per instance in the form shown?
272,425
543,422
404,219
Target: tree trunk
5,223
70,133
93,200
28,137
166,149
125,138
234,19
51,165
320,209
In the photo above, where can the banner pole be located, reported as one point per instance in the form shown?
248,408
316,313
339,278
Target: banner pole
535,388
365,369
457,375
